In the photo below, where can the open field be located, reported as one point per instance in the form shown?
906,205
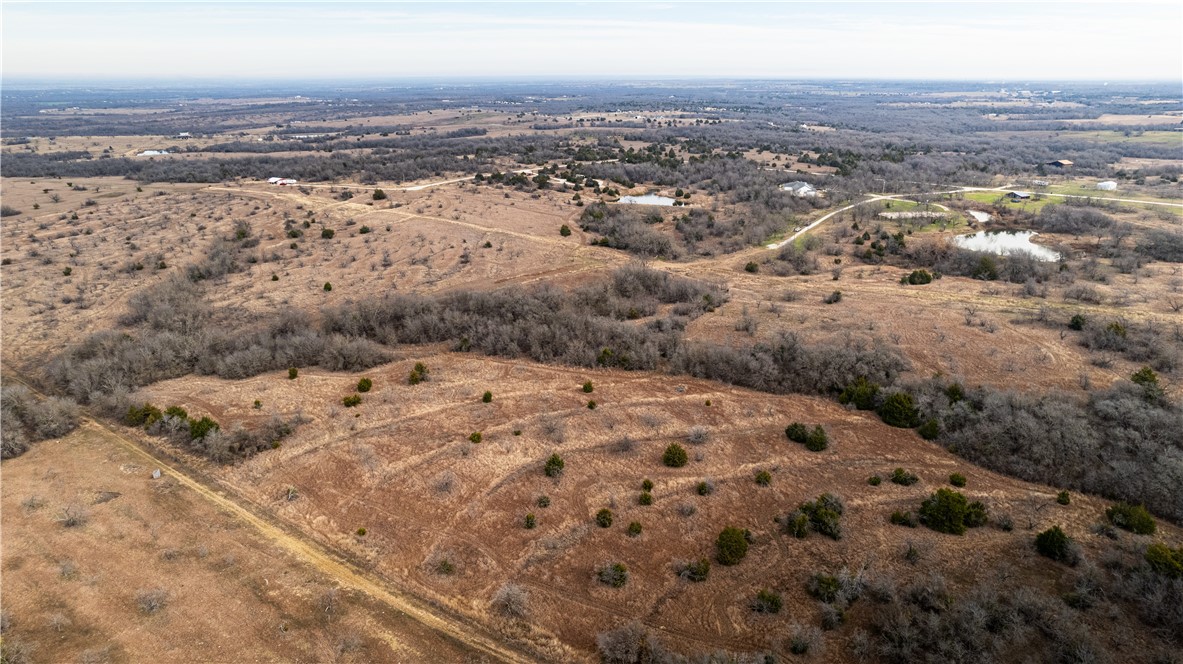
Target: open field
137,576
425,493
1153,119
1124,190
1171,138
1031,205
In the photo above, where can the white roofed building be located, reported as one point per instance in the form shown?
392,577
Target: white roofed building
799,189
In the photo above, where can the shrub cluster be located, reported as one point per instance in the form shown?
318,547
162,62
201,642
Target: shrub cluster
917,277
418,374
554,466
904,519
862,393
675,456
696,571
206,437
731,546
25,419
604,518
836,593
814,440
823,515
1164,560
1116,442
1057,545
948,511
899,410
614,574
767,601
903,477
1133,518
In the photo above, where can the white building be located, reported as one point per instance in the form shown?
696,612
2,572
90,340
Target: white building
799,189
1108,185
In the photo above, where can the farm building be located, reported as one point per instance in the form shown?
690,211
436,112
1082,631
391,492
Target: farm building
1108,185
1019,195
1060,163
799,189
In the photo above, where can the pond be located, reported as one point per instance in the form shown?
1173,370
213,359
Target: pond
1006,242
647,199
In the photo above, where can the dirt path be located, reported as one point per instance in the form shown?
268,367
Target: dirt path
317,557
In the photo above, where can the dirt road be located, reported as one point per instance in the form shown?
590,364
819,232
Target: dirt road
343,572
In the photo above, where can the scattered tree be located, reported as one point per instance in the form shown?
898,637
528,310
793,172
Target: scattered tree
675,456
604,518
731,546
554,466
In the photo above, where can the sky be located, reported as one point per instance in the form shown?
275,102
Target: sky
994,41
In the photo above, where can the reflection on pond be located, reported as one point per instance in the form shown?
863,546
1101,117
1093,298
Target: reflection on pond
647,199
1006,242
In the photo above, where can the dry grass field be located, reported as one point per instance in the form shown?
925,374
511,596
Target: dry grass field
401,465
388,530
154,570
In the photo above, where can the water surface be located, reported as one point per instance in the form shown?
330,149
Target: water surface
1006,242
647,199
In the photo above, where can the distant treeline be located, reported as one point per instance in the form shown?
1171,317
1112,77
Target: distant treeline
417,158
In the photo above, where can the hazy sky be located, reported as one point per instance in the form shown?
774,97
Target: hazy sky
293,40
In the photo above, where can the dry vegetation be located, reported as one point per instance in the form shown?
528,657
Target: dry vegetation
147,568
523,379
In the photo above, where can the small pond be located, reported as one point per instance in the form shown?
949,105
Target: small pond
1006,242
647,199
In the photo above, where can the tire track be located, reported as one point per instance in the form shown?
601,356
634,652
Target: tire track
315,555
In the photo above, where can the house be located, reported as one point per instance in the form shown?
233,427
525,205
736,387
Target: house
1060,163
799,189
1108,185
1019,195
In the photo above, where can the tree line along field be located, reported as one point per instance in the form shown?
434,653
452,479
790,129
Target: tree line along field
450,356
